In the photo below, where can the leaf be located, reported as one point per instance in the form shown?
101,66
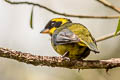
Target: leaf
31,18
118,27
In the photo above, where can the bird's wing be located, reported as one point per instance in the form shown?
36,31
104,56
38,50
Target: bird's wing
85,36
65,36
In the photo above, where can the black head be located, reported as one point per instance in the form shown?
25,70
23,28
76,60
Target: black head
55,23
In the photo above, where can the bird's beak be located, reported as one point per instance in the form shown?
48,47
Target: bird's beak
45,31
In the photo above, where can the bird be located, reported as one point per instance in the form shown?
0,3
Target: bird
71,40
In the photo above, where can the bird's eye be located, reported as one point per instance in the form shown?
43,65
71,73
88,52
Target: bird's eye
53,23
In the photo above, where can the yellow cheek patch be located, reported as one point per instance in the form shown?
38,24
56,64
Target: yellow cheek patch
52,30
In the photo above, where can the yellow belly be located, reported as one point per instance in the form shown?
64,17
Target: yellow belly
75,51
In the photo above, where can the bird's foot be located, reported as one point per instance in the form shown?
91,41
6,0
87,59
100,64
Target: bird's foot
65,58
65,54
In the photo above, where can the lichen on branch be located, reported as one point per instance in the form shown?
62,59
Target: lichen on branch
58,61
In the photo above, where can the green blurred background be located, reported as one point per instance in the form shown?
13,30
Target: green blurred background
15,33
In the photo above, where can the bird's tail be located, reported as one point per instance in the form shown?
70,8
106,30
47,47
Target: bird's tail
93,47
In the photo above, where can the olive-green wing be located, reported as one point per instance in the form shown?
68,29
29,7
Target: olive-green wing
84,35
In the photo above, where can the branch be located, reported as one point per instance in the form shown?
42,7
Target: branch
58,61
107,4
108,36
63,14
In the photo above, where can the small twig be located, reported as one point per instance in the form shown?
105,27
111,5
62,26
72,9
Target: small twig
58,61
79,16
107,4
63,14
107,37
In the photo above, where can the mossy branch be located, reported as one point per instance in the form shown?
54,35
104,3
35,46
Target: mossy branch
58,61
